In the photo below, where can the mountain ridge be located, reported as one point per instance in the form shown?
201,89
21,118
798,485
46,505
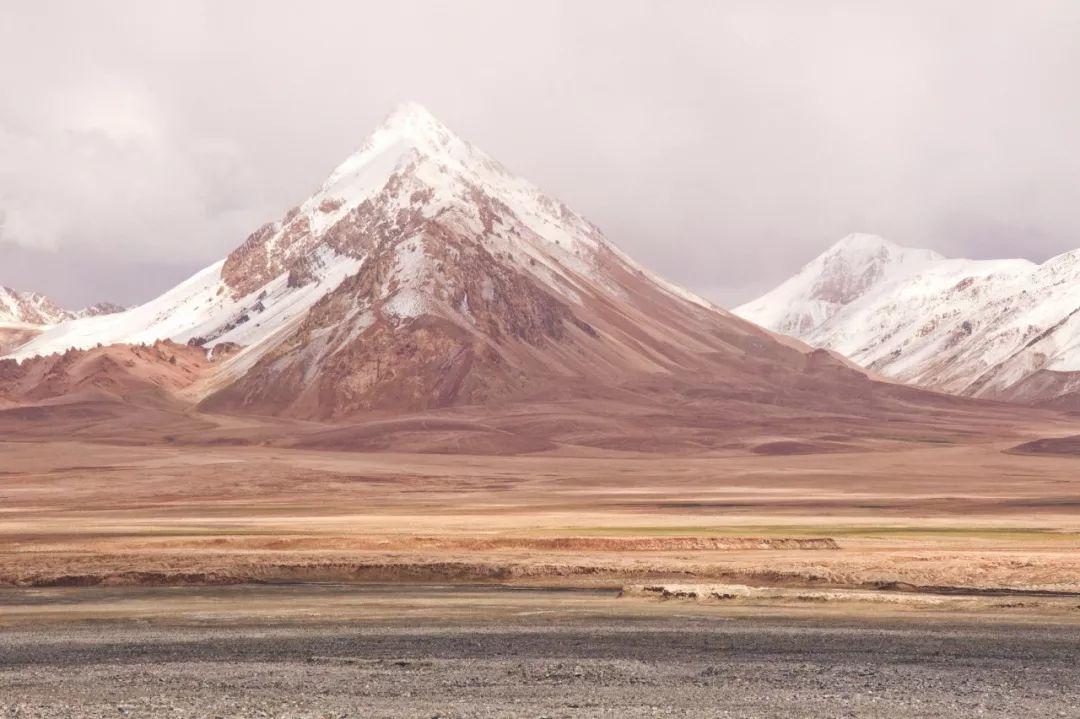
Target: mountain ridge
999,329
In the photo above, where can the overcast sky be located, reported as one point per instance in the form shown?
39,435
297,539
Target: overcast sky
723,144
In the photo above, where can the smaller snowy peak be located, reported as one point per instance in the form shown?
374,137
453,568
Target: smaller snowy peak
32,308
98,309
861,249
29,308
1005,328
864,245
854,267
862,242
858,262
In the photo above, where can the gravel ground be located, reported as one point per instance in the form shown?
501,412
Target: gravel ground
543,666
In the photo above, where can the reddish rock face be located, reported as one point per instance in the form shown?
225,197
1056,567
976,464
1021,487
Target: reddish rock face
152,372
268,252
463,348
247,265
331,204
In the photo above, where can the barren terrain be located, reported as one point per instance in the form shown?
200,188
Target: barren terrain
425,651
897,515
159,562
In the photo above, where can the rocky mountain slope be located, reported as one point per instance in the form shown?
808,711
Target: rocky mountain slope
116,372
1005,329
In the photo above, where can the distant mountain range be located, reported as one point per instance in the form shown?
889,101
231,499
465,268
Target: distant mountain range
1000,329
24,315
422,275
31,308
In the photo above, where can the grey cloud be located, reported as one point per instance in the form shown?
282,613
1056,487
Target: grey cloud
721,143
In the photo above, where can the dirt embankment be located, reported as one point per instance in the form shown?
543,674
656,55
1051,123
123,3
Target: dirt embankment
235,560
488,544
1067,446
1053,575
893,593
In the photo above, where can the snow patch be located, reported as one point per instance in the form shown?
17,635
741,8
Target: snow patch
202,309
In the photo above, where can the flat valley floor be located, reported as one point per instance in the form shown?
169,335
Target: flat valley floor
916,516
918,579
437,651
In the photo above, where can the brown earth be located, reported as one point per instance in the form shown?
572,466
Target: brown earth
138,374
110,475
807,403
1051,445
248,503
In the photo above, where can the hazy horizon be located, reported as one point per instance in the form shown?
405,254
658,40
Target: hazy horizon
721,144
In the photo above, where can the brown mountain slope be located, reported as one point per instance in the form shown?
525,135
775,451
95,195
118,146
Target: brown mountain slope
156,373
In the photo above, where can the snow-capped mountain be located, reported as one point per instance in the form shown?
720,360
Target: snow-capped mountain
423,274
29,308
1005,329
855,266
97,309
409,170
25,315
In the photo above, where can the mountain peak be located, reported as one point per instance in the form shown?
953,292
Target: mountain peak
1005,329
859,262
410,113
410,128
865,245
851,268
409,171
862,240
29,308
413,124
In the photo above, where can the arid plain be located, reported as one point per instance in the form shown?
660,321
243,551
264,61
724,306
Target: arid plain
167,578
899,514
